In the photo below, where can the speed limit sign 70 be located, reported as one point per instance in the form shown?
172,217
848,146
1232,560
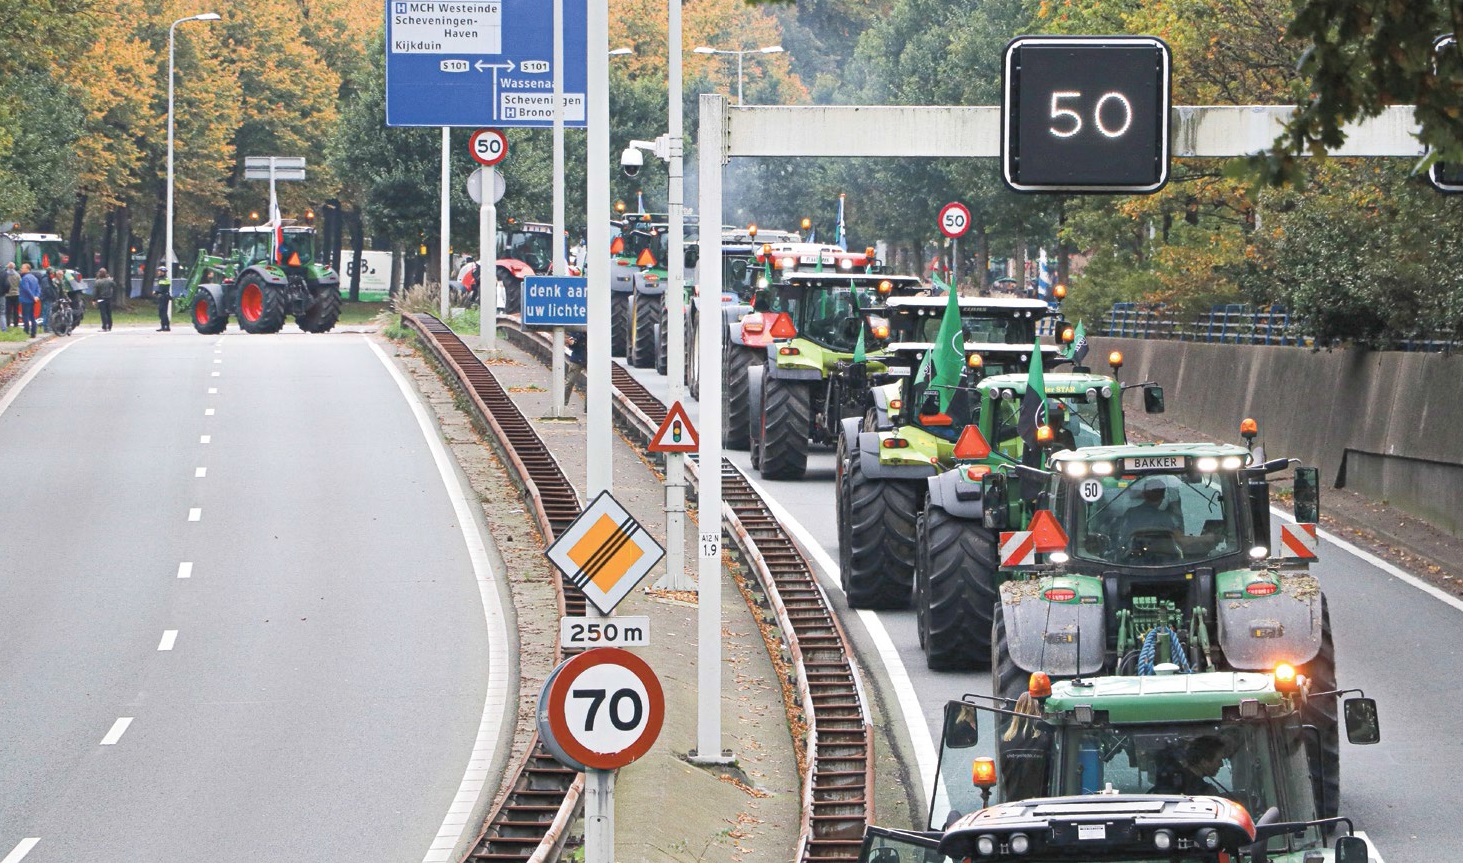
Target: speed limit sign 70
954,219
602,709
488,146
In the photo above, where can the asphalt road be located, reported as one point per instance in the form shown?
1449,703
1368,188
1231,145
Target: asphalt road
242,621
1400,644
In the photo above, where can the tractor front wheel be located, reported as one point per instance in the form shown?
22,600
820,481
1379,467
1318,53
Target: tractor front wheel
787,418
208,318
880,529
261,305
955,590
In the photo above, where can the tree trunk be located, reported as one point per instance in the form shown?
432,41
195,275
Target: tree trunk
398,268
78,260
1022,258
107,224
155,244
123,254
982,259
358,247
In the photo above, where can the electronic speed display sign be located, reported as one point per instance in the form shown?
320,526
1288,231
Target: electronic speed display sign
1086,114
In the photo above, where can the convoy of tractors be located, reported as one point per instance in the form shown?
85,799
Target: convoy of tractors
1159,657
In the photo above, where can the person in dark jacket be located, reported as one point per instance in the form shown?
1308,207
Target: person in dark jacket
30,292
163,291
9,294
50,291
106,291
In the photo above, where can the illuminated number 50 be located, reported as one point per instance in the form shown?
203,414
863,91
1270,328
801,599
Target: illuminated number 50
1073,120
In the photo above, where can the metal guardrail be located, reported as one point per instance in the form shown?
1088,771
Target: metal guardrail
1237,324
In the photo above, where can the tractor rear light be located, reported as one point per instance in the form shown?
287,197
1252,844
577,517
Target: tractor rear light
753,326
1261,588
1059,594
1039,685
881,332
885,286
975,472
983,772
1286,680
894,443
935,420
788,352
974,361
896,404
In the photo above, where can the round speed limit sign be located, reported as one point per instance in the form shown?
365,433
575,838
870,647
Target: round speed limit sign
954,220
488,146
602,709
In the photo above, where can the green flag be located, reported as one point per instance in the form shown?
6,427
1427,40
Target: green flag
939,282
1079,344
858,347
1033,404
949,352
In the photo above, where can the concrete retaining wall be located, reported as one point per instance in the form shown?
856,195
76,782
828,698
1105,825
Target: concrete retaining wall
1385,424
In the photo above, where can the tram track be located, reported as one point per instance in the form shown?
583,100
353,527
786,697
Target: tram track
837,788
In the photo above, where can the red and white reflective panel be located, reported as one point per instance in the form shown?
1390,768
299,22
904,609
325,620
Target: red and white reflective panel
1298,540
1018,548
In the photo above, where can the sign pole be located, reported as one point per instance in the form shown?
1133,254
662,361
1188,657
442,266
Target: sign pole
561,266
599,423
675,317
955,265
487,245
599,814
447,218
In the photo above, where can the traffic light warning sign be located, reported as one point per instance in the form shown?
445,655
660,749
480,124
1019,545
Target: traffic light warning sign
676,434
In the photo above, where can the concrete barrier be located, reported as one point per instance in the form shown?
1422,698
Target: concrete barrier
1387,424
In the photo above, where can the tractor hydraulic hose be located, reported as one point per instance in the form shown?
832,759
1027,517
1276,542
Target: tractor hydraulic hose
1150,649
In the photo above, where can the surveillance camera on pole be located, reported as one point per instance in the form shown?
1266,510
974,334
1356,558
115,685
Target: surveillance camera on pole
631,161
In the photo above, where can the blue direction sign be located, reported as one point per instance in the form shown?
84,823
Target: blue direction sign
481,63
555,301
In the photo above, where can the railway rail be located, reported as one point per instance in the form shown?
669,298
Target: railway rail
838,787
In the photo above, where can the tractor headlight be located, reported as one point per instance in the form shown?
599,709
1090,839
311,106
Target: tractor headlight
1075,468
1232,462
1102,468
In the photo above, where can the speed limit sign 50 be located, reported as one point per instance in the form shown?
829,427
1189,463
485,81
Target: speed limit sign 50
488,146
601,709
954,219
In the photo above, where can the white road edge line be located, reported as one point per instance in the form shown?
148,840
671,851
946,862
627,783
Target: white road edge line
170,637
455,826
213,391
14,392
26,844
195,514
904,694
208,412
200,472
185,569
118,728
204,438
1389,568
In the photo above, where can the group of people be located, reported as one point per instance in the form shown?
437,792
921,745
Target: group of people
25,286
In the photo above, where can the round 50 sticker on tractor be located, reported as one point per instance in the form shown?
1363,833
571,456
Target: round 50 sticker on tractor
602,709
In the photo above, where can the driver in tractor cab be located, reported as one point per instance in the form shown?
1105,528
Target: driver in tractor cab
1151,527
1062,437
1203,758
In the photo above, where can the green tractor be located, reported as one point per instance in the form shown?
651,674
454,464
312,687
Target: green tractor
1237,737
261,274
813,377
902,437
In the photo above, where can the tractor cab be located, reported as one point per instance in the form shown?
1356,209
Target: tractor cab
785,258
987,320
246,247
41,251
1240,737
831,310
529,242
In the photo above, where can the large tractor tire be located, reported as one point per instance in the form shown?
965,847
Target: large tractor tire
322,314
261,305
512,292
880,533
642,338
955,590
1324,748
208,318
662,346
787,419
1007,681
619,323
736,405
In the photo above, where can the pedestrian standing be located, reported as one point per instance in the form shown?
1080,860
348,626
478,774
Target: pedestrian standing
163,291
48,293
9,297
30,293
106,290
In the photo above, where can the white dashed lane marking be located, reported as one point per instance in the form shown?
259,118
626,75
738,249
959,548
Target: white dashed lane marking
200,471
118,729
19,852
195,514
185,569
169,637
203,438
208,412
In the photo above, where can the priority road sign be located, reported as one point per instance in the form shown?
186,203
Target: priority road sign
601,709
488,146
954,220
605,552
676,434
481,63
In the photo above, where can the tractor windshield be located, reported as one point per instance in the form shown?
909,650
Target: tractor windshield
738,274
253,247
41,254
1154,519
828,317
299,247
1077,421
979,326
534,248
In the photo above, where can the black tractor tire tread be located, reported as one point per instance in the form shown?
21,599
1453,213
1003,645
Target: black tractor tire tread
217,320
662,347
787,417
1007,681
323,313
881,518
958,590
692,365
619,323
736,430
1322,713
647,319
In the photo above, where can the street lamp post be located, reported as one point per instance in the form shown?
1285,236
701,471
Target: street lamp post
168,250
770,49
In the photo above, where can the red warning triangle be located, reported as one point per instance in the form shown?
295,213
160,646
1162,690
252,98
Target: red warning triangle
1048,534
972,445
618,246
646,259
677,434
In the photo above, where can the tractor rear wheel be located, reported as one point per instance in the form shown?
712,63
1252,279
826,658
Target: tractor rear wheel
322,314
735,401
1007,681
1324,747
647,320
208,318
880,531
662,346
955,590
619,323
512,292
261,305
787,417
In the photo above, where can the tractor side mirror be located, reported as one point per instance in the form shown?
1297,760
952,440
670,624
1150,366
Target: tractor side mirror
1362,726
961,729
1351,849
1153,400
1307,494
693,256
993,501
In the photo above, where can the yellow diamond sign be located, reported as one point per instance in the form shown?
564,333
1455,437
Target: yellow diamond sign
605,552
